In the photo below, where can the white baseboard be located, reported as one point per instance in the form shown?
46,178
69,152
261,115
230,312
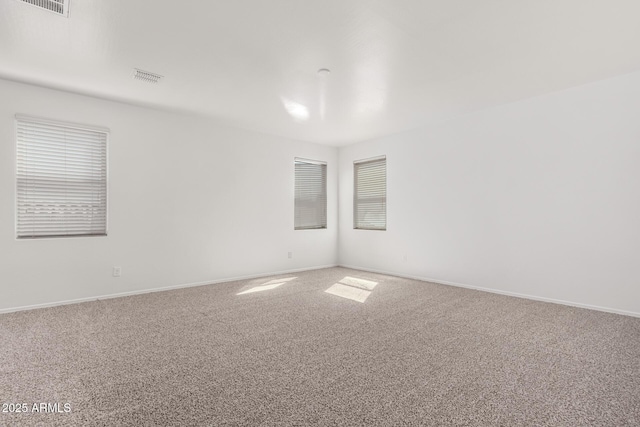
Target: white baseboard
498,291
165,288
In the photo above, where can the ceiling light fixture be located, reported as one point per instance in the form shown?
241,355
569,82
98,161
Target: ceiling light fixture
322,72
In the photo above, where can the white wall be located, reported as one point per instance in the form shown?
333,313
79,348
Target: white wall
190,201
540,197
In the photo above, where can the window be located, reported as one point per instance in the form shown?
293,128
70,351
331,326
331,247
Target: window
61,179
370,194
311,194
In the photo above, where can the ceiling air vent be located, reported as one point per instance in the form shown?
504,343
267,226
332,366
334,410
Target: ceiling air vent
60,7
146,76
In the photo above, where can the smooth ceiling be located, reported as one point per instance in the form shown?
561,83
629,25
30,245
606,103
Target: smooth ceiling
395,64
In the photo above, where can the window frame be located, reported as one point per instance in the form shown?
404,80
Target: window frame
356,226
326,202
71,125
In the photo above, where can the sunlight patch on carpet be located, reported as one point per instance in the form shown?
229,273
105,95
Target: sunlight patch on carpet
272,284
352,288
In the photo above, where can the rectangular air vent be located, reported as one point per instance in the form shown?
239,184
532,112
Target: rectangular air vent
146,76
60,7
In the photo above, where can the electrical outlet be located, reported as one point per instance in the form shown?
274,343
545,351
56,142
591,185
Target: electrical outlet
117,271
290,254
404,257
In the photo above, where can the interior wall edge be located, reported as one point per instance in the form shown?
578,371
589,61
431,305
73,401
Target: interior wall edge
498,291
160,289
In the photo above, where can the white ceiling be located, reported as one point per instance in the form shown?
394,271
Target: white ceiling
395,64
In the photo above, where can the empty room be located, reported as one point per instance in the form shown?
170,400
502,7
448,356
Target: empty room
297,213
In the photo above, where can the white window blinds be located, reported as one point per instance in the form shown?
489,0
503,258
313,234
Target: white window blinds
61,179
370,194
310,194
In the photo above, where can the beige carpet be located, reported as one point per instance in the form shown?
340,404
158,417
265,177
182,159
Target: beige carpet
288,353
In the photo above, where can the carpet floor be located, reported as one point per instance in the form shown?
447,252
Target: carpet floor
278,352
